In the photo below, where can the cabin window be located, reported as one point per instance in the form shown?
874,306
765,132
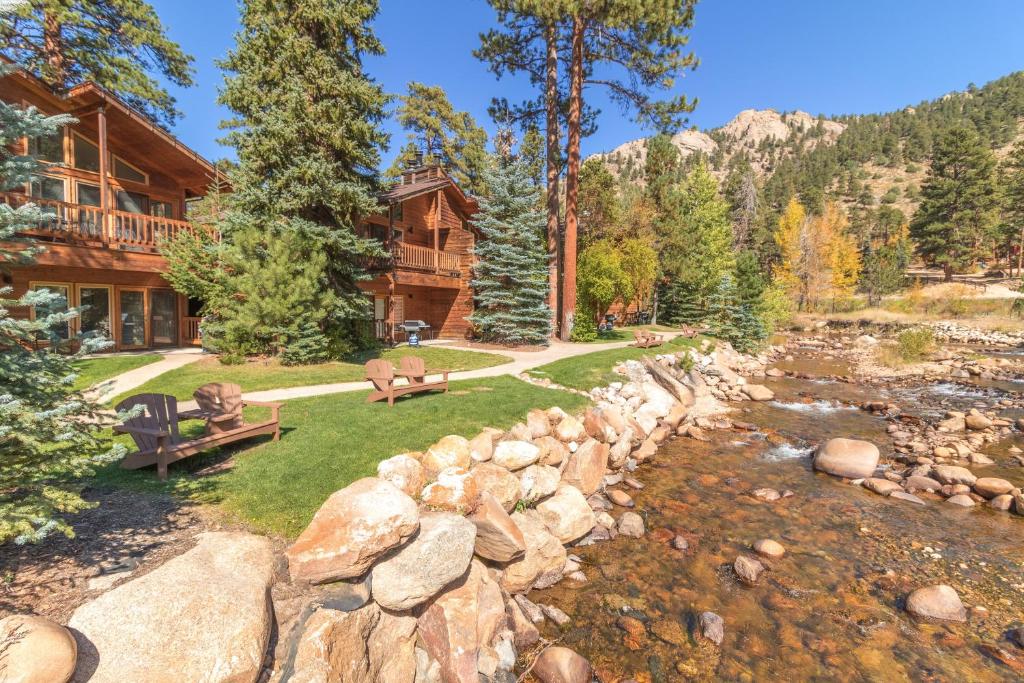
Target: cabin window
44,187
94,319
48,147
396,212
160,209
125,171
378,232
398,235
87,155
59,304
132,202
88,195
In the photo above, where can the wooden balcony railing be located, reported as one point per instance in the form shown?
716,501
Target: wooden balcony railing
191,331
87,225
423,258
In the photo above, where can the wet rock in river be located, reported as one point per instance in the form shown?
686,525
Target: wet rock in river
937,602
631,524
766,494
748,569
561,665
882,487
849,458
712,627
961,499
1003,503
990,487
769,548
907,497
554,614
620,498
680,543
977,421
670,631
953,474
920,483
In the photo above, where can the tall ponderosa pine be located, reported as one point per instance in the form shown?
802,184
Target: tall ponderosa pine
49,433
443,135
1013,201
308,135
511,276
954,224
118,44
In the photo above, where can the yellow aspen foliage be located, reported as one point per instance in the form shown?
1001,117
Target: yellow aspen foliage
787,237
844,261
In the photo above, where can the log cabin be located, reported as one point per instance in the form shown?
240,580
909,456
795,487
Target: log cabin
115,183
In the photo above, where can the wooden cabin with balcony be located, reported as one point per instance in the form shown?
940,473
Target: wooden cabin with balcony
425,226
115,184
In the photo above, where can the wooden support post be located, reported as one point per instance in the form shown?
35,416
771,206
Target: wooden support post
437,233
107,229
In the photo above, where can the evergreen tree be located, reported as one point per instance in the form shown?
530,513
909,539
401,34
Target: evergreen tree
511,277
117,44
661,171
49,433
1013,201
308,135
599,203
443,135
958,212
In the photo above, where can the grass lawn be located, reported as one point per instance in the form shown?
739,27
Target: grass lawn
626,333
595,369
329,441
94,370
269,374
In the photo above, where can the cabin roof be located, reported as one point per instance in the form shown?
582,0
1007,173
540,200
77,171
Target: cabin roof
128,128
424,180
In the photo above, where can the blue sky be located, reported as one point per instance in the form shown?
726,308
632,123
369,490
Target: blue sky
821,56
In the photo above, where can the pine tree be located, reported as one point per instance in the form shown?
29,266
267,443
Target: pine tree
599,203
117,44
1013,201
308,136
511,277
49,433
958,213
443,135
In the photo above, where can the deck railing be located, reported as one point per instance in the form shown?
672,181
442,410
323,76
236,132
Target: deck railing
423,258
191,335
86,225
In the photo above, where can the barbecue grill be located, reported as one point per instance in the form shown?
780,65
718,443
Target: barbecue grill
418,327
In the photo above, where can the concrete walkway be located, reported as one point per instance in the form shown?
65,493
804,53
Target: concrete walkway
126,381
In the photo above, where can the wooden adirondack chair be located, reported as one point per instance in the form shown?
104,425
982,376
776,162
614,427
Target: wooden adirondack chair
159,441
382,374
221,404
645,340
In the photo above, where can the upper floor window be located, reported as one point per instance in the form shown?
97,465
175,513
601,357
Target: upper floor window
132,202
396,212
87,155
160,209
44,187
48,147
125,171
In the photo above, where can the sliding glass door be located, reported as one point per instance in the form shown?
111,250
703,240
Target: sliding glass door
96,303
131,306
163,316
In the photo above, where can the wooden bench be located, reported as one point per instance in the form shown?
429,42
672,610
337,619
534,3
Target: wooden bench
156,435
382,374
645,340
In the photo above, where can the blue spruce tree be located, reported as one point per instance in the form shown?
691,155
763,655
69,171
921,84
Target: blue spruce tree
511,274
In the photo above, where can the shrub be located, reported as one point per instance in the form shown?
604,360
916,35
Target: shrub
915,343
583,329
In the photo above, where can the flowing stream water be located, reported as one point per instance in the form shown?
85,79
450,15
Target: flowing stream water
832,607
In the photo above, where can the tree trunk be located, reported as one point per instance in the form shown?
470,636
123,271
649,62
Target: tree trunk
947,273
1020,252
553,153
56,72
572,176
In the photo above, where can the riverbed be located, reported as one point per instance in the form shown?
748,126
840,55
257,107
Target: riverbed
833,607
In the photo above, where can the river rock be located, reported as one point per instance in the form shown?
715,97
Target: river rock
436,556
1002,503
657,400
515,455
552,451
570,429
451,451
204,615
586,467
497,536
955,423
766,494
523,631
631,524
353,527
539,424
849,458
882,487
455,490
403,472
990,487
919,483
566,514
748,569
936,602
712,627
597,428
953,474
757,392
538,482
961,499
542,562
907,497
459,622
620,498
499,482
977,421
619,453
481,447
769,548
367,644
35,650
561,665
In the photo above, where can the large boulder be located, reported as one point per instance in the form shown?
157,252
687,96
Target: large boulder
367,644
613,417
35,650
515,455
977,421
990,487
566,514
936,602
451,451
552,451
570,429
850,458
538,482
586,467
455,490
559,664
403,472
481,447
460,621
497,536
353,527
416,572
539,424
499,482
597,428
656,399
953,474
542,564
202,616
757,392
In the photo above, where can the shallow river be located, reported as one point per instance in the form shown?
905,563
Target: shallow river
832,607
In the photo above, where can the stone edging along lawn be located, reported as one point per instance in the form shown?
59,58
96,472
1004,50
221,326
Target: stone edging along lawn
381,573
